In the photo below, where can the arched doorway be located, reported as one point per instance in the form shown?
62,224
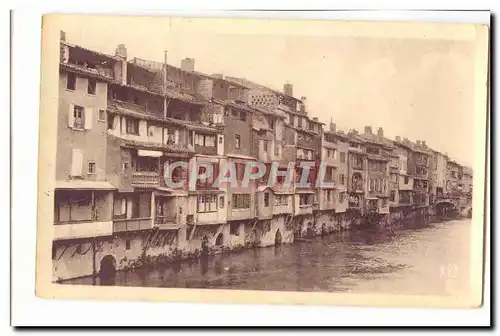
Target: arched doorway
278,238
107,271
219,240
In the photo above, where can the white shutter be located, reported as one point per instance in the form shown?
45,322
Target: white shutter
176,137
123,129
71,115
76,162
89,114
165,136
116,123
143,129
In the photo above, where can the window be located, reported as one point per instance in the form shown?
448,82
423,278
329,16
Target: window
125,167
238,141
70,81
102,115
91,167
207,203
372,150
205,140
407,179
281,200
132,126
221,202
241,201
341,197
276,150
127,244
342,179
266,200
111,122
372,185
329,195
342,157
234,228
243,116
393,196
265,145
220,140
304,199
91,86
78,117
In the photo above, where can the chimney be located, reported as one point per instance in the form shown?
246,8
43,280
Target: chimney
398,138
63,35
332,126
418,143
121,51
315,119
405,140
380,132
423,144
120,68
288,89
368,130
218,75
187,64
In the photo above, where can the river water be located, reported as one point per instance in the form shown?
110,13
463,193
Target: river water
431,260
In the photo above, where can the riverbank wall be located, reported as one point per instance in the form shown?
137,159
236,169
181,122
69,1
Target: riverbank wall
148,248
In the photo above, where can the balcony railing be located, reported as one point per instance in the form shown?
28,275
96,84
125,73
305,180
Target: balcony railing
145,179
131,224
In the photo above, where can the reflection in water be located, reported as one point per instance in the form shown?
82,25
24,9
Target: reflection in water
402,261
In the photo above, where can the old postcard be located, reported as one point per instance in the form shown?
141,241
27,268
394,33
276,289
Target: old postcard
273,161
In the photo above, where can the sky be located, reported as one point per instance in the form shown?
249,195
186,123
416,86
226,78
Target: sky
412,86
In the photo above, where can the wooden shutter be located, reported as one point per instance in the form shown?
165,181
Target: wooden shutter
89,114
71,116
76,162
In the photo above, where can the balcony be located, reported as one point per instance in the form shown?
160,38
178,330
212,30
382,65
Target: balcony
132,224
145,179
305,209
75,230
167,222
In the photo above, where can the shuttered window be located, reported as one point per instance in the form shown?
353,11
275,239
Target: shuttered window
241,201
76,162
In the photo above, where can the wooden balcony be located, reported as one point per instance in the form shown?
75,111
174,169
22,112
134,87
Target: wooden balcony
86,229
145,179
132,224
167,222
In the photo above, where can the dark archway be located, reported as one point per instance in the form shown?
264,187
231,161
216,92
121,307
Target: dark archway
278,238
219,240
107,271
446,209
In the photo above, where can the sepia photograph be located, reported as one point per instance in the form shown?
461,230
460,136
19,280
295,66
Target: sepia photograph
256,160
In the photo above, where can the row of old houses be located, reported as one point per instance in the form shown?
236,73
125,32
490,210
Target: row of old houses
123,123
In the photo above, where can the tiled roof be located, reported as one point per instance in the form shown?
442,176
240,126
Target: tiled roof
90,50
153,146
78,69
140,112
